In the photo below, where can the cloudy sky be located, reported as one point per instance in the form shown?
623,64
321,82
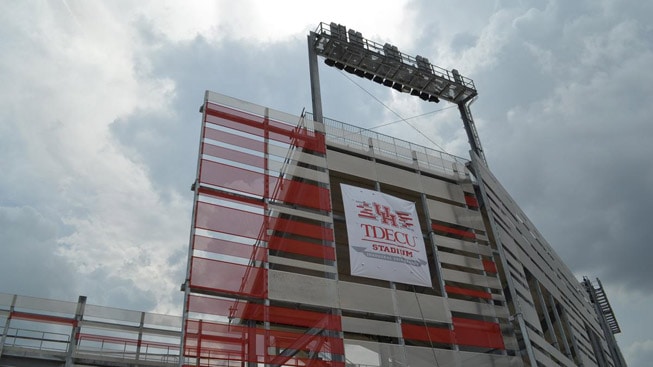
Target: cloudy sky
99,127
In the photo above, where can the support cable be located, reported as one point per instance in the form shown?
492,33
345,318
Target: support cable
410,118
396,114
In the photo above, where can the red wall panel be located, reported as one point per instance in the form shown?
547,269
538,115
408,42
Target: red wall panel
478,333
489,266
468,292
452,230
244,310
233,139
224,247
429,334
233,155
253,124
301,248
234,291
229,278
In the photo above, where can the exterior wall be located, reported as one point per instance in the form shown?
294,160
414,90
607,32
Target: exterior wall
269,254
262,221
559,322
433,325
269,277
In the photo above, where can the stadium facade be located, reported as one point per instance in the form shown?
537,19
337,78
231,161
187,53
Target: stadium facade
327,244
319,243
445,269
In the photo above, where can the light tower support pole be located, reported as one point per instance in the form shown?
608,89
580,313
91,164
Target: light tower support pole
468,121
316,96
470,129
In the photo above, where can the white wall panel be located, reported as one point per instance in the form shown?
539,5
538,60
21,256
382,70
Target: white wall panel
299,213
361,297
466,261
441,189
305,289
475,279
431,308
350,164
536,339
441,211
301,264
372,327
485,309
424,357
398,177
456,244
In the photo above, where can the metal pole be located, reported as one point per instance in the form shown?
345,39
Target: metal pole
140,336
470,129
7,323
316,96
72,346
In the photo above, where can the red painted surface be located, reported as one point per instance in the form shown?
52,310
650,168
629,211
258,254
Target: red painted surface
225,289
233,139
429,334
478,333
302,248
280,189
224,247
468,292
228,278
43,318
242,310
255,125
451,230
465,332
471,200
233,155
255,344
489,266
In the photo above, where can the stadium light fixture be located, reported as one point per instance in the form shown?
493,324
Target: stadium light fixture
385,64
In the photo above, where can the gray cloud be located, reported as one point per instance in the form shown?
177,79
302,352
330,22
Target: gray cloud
30,263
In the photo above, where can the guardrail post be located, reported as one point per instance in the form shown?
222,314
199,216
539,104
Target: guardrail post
140,338
72,344
5,330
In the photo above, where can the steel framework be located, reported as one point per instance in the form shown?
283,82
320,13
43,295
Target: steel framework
384,64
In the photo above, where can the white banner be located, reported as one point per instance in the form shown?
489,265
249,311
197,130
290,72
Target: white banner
385,238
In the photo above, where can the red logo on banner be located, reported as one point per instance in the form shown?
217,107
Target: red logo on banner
384,214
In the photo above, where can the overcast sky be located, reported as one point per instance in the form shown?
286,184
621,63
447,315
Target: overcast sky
99,127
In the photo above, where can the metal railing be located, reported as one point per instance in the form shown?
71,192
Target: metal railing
56,329
365,140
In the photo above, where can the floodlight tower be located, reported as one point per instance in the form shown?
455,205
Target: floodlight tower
385,64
